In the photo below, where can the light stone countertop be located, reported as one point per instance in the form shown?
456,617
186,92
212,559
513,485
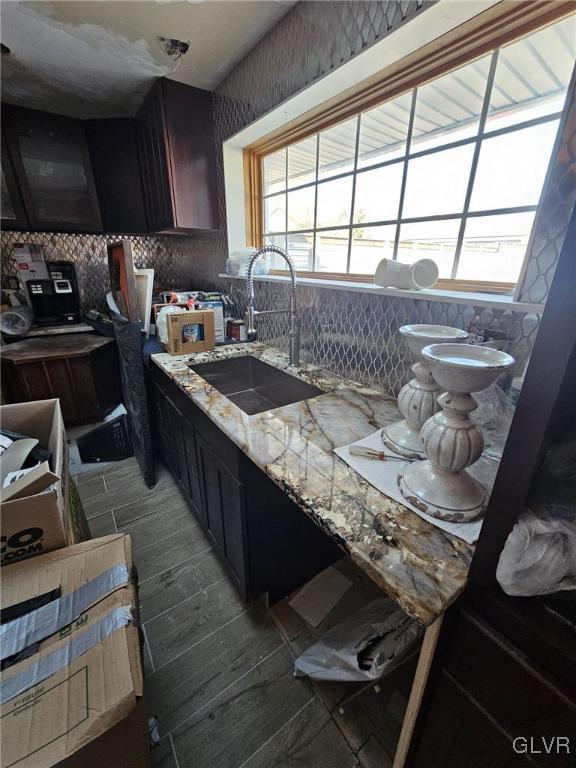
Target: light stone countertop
420,566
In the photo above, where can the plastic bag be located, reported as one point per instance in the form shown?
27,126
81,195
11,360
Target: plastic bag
494,417
161,322
379,631
539,556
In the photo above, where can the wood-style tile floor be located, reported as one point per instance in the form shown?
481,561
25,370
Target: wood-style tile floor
219,673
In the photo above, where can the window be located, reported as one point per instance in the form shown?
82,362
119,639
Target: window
452,170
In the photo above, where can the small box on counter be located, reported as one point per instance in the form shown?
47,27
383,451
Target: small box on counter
41,510
71,691
191,331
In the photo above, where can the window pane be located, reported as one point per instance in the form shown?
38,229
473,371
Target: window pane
275,213
301,250
448,109
383,131
302,162
494,247
512,167
332,251
274,172
430,240
369,246
334,202
276,262
437,183
337,149
378,194
301,209
532,75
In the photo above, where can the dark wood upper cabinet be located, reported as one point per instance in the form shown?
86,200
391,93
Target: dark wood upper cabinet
52,165
114,153
13,215
177,158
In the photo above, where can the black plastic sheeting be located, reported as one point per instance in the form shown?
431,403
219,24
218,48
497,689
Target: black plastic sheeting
130,353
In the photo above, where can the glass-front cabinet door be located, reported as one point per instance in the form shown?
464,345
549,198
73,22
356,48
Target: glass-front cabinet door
12,211
53,169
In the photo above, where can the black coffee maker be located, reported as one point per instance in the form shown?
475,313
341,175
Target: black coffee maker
55,301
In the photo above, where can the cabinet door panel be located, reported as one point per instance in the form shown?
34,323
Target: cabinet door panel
233,522
223,505
194,486
154,162
457,733
209,469
52,165
162,419
178,436
13,215
116,168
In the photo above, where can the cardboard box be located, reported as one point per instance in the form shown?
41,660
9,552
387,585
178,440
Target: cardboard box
218,307
157,307
42,511
177,324
77,701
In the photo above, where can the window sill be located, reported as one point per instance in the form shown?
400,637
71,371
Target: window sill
497,301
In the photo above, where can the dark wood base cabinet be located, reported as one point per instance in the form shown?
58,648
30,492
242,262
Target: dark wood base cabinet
80,369
489,705
266,543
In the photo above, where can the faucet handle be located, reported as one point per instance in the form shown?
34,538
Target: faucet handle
251,332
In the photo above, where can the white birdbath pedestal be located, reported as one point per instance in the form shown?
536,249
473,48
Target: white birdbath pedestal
417,400
441,486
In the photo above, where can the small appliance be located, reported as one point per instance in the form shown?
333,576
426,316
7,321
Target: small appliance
55,300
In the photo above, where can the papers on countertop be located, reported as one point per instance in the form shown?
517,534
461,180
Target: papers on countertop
383,475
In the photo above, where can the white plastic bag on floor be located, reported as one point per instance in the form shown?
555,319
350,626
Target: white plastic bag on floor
539,556
365,646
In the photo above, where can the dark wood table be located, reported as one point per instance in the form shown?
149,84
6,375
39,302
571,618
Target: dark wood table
80,369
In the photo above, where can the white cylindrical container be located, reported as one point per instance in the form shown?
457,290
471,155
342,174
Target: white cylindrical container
16,321
393,274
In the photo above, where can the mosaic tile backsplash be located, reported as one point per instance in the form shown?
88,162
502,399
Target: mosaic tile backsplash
168,256
352,334
554,212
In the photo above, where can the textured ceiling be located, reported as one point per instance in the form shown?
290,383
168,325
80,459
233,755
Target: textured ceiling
98,59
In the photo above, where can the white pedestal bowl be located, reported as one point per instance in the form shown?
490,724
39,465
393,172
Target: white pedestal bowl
417,400
441,486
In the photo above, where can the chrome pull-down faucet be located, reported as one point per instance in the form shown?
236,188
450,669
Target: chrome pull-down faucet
252,314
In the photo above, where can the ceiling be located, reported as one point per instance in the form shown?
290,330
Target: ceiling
98,59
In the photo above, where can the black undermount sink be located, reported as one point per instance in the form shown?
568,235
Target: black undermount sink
254,386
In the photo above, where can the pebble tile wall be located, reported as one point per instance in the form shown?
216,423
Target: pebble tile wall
352,334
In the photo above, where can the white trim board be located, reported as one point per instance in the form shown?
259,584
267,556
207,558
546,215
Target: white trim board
428,25
493,300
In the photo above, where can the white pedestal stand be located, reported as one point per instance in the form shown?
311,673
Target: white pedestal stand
440,486
417,400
